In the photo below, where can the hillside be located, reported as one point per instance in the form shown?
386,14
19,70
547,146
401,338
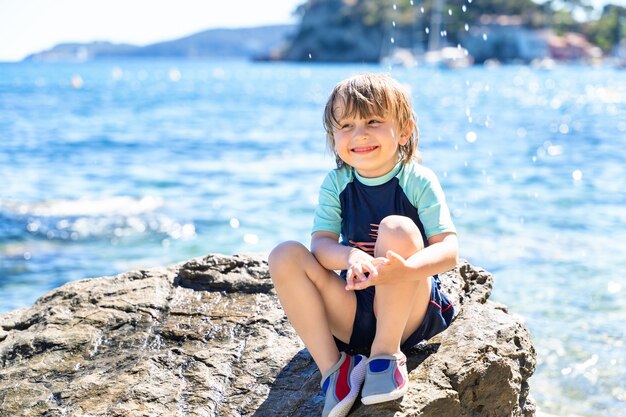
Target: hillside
245,43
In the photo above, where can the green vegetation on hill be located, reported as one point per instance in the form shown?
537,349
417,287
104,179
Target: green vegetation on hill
345,29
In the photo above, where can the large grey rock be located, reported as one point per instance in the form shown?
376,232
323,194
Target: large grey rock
208,338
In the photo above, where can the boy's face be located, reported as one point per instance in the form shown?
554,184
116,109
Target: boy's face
369,144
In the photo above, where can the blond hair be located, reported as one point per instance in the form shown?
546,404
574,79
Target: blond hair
367,95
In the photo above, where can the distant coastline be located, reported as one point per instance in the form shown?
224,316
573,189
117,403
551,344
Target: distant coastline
245,43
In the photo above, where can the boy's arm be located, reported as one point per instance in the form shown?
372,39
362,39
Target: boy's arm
333,255
440,256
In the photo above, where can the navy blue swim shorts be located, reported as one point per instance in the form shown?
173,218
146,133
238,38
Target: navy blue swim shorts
438,317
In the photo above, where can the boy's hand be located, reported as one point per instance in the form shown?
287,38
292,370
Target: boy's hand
363,271
360,267
387,269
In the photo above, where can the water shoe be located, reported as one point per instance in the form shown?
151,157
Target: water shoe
386,378
341,385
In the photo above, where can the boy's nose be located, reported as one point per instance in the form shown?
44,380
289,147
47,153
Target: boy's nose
359,132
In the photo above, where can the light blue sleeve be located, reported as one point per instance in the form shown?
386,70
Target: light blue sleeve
424,190
328,212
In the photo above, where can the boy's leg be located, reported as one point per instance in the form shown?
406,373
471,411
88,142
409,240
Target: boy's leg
399,308
315,301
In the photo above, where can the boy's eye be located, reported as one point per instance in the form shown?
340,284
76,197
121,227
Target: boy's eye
374,122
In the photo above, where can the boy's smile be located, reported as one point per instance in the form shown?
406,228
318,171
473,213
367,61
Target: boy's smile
364,149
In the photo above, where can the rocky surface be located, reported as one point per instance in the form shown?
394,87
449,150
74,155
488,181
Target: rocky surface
208,338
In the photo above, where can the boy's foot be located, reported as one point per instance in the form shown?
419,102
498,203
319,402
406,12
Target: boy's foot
386,378
341,385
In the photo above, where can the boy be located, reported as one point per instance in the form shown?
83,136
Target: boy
396,235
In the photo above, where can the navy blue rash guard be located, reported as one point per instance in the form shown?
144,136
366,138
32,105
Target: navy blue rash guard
352,206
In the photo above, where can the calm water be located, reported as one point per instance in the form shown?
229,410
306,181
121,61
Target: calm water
106,167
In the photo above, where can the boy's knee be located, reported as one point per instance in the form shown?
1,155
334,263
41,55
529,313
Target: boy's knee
400,229
284,252
397,225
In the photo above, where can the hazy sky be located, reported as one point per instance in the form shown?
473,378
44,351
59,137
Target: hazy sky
28,26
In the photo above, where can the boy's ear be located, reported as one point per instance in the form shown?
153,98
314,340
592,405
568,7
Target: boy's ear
406,132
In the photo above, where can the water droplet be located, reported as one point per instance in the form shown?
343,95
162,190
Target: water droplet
395,7
564,129
234,223
27,256
393,23
471,136
464,8
427,30
466,27
577,175
310,56
449,12
422,10
484,36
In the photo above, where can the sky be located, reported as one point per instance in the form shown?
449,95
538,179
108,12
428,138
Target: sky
28,26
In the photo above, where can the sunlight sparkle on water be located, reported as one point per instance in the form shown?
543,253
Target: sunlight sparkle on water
613,287
577,175
174,75
471,137
251,238
117,73
77,82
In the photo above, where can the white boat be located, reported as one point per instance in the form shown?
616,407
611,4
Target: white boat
449,57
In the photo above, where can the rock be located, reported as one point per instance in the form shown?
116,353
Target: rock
208,338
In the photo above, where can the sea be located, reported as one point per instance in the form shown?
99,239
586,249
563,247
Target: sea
110,166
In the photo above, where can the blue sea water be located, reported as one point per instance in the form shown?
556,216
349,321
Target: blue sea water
112,166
